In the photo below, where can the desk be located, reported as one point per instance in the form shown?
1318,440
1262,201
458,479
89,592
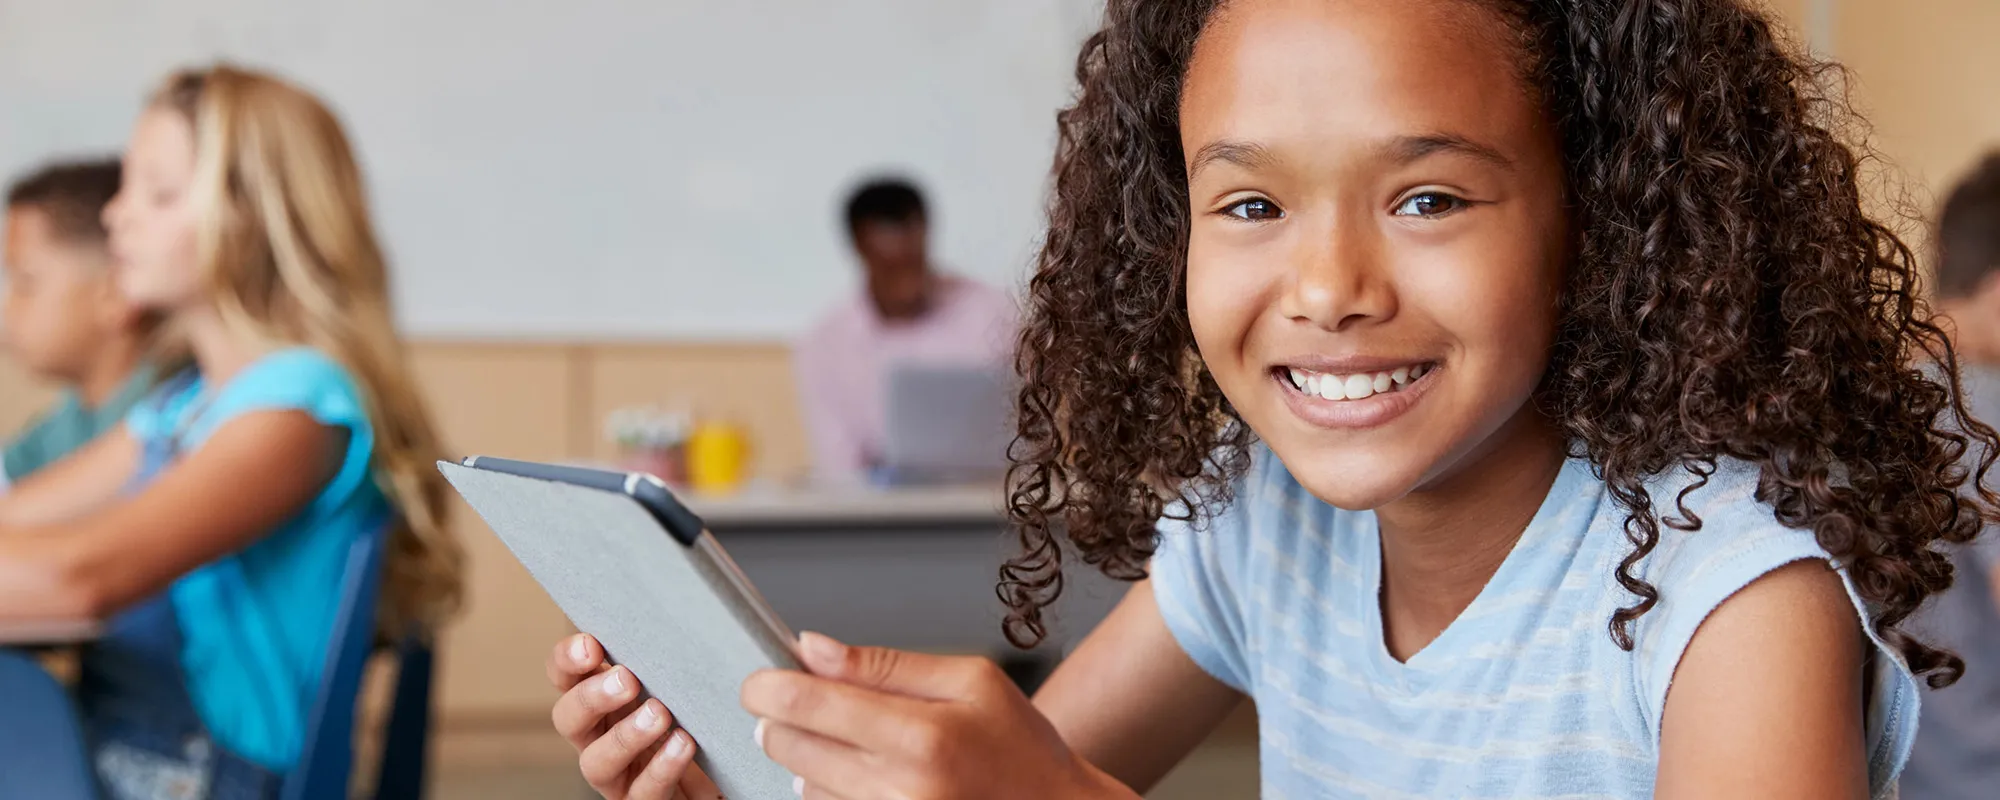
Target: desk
46,632
913,568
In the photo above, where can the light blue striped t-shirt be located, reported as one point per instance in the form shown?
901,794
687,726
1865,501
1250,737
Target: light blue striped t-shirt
1525,694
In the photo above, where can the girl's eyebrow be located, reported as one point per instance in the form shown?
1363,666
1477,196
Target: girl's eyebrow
1400,150
1409,149
1248,155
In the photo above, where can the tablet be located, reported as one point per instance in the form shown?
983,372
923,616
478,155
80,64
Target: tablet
633,567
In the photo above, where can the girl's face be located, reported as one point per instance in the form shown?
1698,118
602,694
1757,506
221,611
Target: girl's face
1377,236
152,220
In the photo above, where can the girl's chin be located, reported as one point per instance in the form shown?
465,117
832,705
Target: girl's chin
1354,481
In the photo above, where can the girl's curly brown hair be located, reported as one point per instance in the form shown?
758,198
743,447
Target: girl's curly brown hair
1729,298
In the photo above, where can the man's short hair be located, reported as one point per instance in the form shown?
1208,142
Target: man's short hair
892,200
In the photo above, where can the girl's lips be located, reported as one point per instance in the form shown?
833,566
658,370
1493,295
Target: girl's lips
1374,405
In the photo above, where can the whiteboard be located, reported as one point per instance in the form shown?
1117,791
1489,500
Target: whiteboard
608,168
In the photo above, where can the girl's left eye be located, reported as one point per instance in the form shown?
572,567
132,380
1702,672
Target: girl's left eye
1429,204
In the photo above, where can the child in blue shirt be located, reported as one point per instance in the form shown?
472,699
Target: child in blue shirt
210,531
65,319
1512,399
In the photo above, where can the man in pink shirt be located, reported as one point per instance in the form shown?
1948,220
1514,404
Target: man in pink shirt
908,313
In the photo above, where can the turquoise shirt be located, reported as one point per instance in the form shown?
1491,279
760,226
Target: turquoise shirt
256,625
69,426
1524,695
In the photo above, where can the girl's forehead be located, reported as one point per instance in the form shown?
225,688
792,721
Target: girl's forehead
1273,70
161,138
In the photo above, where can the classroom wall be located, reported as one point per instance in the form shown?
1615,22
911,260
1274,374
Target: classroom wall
1927,75
607,168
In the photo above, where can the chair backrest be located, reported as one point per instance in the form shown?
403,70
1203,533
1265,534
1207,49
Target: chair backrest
327,761
403,744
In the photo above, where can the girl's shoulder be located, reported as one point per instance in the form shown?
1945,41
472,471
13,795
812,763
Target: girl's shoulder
1716,530
1719,533
295,379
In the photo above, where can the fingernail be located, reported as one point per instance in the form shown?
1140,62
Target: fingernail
677,744
821,648
758,733
614,684
577,650
798,786
649,719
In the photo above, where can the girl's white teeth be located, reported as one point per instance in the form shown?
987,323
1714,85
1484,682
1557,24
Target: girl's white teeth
1354,387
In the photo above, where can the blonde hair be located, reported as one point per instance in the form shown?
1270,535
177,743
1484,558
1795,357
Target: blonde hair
291,257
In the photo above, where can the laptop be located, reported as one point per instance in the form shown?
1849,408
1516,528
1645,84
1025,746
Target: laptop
947,423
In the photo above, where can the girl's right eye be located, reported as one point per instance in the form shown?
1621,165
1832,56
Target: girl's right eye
1255,209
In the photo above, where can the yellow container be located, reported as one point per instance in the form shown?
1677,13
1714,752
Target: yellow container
718,458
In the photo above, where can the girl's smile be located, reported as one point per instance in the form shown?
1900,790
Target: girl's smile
1354,392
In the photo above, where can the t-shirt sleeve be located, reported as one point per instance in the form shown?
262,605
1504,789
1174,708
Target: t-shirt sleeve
297,380
293,380
1197,579
1986,549
1696,571
27,452
160,412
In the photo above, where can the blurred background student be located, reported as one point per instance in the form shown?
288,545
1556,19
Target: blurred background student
212,529
908,311
64,318
1957,754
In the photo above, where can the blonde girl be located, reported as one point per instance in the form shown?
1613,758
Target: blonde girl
209,532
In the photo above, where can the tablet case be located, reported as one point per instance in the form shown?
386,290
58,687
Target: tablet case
662,609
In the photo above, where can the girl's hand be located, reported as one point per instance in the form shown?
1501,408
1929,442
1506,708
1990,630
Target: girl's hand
874,723
623,748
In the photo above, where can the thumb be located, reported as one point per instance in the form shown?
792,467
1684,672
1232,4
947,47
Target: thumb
898,671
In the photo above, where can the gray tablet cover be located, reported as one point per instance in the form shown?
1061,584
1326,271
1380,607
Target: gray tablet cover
666,611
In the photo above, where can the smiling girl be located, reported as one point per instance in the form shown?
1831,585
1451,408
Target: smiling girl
1510,397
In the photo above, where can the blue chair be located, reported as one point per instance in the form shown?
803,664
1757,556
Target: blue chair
404,746
328,758
42,728
41,747
327,762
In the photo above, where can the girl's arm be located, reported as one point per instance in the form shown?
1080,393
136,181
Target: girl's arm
78,484
1767,700
257,471
1129,700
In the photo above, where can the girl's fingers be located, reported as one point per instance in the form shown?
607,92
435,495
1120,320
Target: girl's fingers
811,792
607,762
572,660
580,713
662,773
875,720
828,768
696,785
